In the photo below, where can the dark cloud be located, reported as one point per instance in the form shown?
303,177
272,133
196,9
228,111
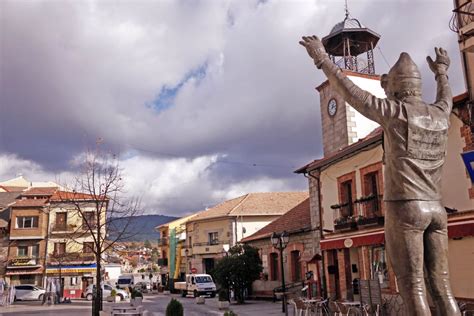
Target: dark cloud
205,99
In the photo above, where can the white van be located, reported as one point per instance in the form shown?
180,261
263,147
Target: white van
197,285
125,281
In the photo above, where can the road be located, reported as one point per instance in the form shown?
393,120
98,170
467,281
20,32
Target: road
154,305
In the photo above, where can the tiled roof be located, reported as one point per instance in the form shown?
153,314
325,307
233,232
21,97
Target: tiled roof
66,195
6,198
3,223
13,189
254,204
38,191
371,138
297,219
30,203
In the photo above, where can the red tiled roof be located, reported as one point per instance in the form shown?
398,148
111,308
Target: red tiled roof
254,204
38,191
371,138
30,203
297,219
67,195
12,189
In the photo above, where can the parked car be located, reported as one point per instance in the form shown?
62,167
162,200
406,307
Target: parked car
143,286
25,292
106,290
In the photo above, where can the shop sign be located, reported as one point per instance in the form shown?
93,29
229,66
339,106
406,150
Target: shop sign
70,270
22,262
348,243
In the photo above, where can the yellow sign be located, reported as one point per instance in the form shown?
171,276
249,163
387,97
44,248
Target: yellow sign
22,262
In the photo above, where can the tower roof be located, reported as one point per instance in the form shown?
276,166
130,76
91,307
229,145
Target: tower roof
361,38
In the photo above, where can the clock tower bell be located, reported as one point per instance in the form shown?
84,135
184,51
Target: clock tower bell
350,45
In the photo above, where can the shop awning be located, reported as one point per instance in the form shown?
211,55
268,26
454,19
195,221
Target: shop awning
373,238
462,228
72,269
24,271
309,257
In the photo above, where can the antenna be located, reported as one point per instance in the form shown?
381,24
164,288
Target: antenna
347,10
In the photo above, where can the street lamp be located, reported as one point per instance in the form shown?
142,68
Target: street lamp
280,241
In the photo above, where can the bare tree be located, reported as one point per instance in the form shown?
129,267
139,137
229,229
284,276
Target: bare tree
97,197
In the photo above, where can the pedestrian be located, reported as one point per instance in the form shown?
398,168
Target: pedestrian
11,295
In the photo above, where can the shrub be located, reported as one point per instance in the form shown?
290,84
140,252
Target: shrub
230,313
136,293
113,293
174,308
223,295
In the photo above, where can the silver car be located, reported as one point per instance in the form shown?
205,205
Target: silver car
24,292
106,290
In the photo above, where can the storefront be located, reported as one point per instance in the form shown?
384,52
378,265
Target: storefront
24,271
75,278
353,257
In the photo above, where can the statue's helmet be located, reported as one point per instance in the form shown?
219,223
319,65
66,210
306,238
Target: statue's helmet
404,78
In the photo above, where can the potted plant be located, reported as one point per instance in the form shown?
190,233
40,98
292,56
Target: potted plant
136,298
223,302
113,297
174,308
167,289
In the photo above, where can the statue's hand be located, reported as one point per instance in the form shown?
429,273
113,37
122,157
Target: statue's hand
315,49
441,64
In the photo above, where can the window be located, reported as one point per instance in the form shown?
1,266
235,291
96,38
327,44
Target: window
295,265
213,238
274,266
88,218
88,247
59,248
378,268
61,219
372,206
22,251
35,251
27,222
73,281
346,199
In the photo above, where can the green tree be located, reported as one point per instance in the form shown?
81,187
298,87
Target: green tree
238,270
147,244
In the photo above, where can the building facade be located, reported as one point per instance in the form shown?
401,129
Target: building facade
28,237
70,246
213,231
301,264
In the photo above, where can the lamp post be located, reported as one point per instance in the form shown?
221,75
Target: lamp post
280,241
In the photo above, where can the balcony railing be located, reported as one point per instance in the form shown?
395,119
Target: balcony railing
163,241
62,228
365,211
70,257
463,15
209,243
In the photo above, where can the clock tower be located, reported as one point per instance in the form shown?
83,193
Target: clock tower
350,45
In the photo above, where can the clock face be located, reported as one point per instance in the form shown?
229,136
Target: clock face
332,107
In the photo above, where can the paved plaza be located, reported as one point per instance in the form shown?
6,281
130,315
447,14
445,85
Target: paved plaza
154,305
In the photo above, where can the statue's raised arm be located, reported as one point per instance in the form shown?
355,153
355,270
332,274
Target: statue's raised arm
439,67
378,110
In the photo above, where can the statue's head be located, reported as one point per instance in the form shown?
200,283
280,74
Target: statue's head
403,80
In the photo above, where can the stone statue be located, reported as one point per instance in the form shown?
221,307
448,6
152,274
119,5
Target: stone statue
415,147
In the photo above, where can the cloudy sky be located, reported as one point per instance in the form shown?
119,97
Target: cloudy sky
203,100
